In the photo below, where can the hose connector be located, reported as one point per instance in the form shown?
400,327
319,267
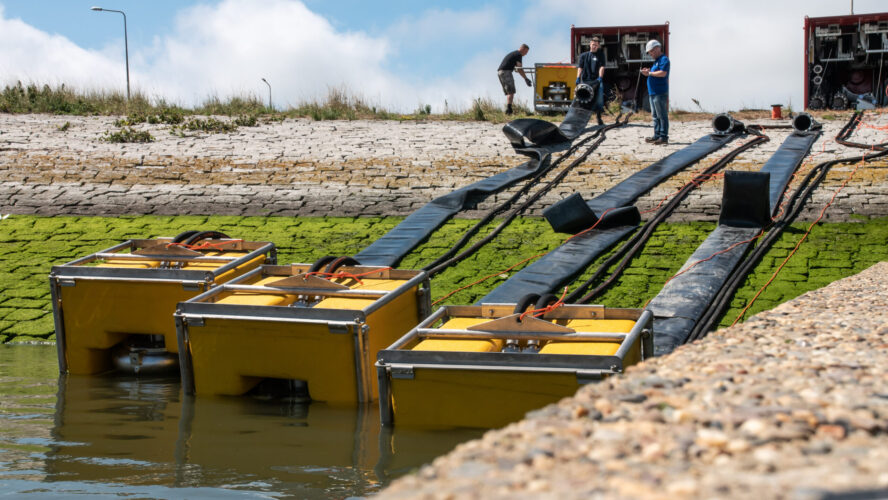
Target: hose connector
584,94
803,122
724,124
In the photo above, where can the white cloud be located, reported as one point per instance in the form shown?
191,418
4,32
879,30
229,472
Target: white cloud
725,54
31,55
225,49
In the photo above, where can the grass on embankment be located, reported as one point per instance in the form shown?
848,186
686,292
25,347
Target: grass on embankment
338,105
30,245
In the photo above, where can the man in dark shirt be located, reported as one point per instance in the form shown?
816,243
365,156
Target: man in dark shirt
512,62
590,70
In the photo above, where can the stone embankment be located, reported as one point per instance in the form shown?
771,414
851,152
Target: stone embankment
351,168
792,403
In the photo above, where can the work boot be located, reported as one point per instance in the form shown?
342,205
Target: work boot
661,142
650,140
508,109
600,121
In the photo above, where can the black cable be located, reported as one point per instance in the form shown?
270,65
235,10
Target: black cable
632,246
796,203
438,266
508,203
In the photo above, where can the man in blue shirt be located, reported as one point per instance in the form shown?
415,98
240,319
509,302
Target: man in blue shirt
590,70
658,90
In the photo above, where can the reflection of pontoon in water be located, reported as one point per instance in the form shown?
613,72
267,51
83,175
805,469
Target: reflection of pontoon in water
137,432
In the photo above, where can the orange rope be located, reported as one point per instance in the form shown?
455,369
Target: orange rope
544,310
470,285
342,274
804,237
697,180
205,245
759,235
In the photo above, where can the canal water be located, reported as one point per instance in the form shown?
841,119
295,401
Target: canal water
62,436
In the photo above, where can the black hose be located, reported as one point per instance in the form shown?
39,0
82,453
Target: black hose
524,302
632,246
179,238
203,235
439,265
546,300
320,263
795,205
339,262
506,204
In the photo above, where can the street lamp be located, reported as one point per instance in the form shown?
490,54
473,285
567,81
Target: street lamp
125,45
269,93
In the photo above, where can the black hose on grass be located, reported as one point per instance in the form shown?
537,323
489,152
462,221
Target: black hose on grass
448,259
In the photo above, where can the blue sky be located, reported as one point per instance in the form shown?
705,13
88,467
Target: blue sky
395,53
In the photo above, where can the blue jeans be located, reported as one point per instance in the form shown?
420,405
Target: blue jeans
660,113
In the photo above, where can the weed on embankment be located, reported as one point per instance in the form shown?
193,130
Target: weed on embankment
31,245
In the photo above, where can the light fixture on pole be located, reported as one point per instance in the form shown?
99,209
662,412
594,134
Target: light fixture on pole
125,44
269,93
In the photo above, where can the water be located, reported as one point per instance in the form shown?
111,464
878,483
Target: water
125,436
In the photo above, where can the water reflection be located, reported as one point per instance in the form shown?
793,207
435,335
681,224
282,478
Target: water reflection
143,435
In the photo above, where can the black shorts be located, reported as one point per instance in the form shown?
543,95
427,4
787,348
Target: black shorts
507,81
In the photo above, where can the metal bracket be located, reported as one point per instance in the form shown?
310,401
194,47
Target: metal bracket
194,321
306,281
402,372
338,328
589,376
512,324
66,282
191,285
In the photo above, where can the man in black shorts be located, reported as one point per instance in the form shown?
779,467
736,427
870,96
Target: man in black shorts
512,62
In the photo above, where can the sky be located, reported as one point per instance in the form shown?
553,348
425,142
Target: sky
397,54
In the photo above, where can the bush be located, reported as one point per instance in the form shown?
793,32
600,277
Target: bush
128,134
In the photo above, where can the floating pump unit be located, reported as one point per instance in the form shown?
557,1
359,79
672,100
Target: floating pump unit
487,365
320,327
114,308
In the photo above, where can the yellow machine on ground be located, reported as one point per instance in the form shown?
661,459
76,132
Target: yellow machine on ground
114,308
624,55
456,375
293,323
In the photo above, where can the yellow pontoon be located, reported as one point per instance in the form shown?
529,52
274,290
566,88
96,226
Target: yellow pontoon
114,308
287,322
450,370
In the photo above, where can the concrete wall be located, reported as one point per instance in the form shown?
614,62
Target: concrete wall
301,167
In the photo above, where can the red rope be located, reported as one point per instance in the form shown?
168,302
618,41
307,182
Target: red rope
206,245
342,274
803,238
513,266
759,235
545,310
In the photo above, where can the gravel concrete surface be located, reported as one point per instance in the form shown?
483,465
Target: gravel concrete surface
792,403
351,168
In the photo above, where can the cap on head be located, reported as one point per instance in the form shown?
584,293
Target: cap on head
650,45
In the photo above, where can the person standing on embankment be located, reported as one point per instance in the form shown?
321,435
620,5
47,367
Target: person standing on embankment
590,70
658,90
512,62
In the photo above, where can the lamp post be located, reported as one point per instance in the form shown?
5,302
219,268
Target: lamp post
269,93
125,45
